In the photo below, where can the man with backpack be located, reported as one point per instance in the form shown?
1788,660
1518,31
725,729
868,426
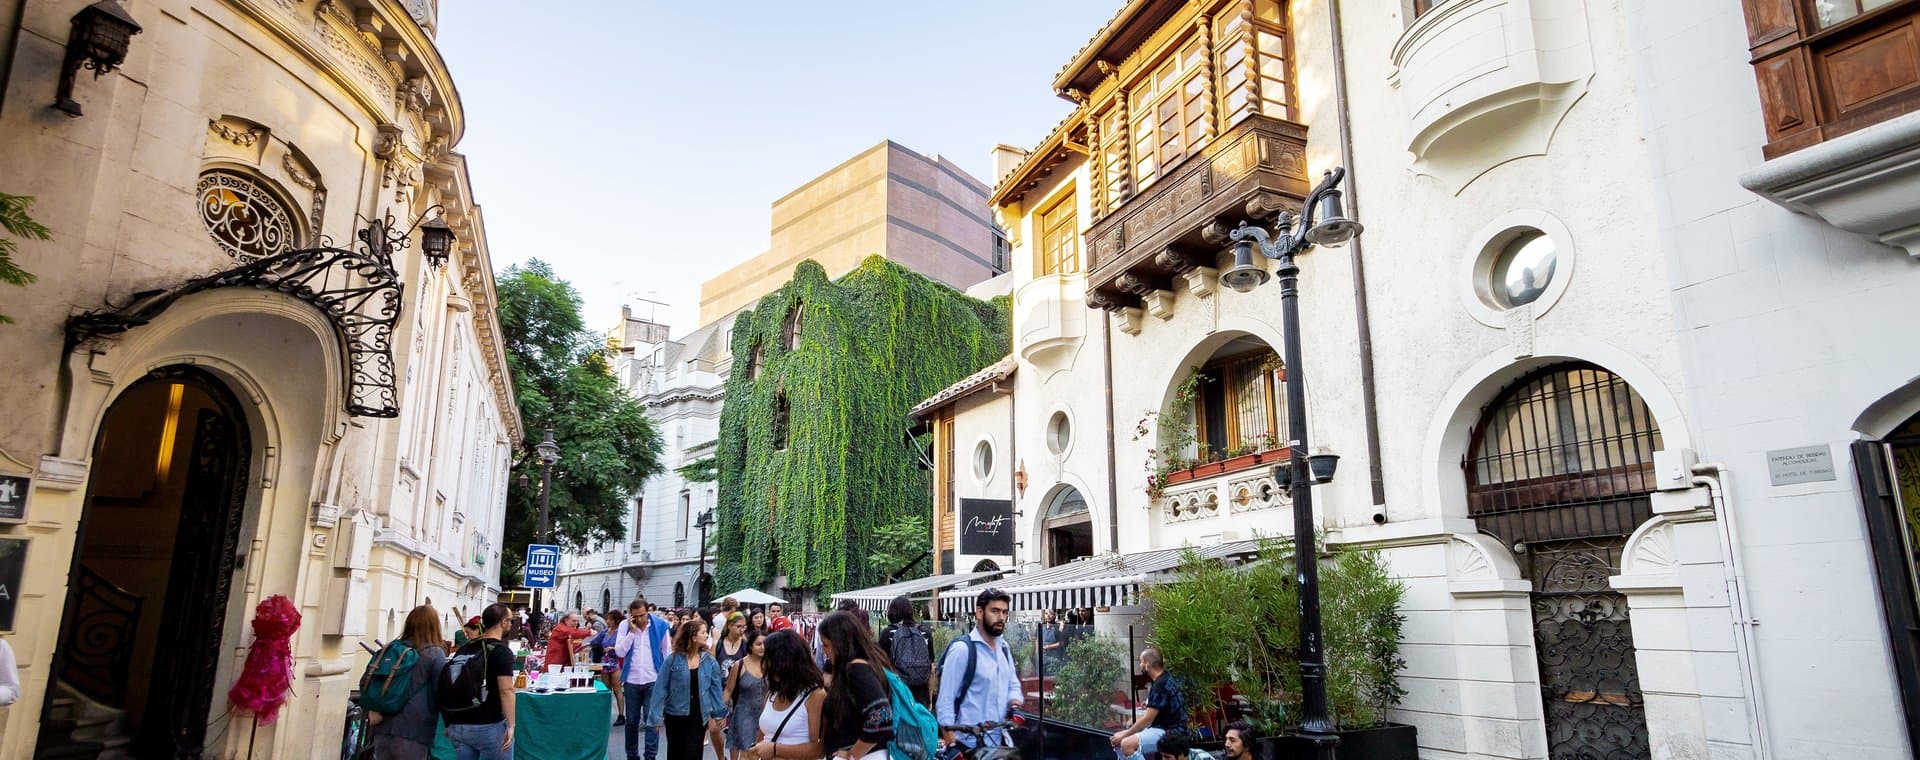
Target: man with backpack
910,646
475,692
980,683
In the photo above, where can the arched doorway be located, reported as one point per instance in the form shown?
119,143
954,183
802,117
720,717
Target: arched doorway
1067,526
1561,470
155,559
679,595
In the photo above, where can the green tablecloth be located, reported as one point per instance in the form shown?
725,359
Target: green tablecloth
554,726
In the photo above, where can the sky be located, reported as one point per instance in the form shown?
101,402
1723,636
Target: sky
638,145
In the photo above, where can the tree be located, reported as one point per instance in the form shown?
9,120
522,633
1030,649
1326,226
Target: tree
14,219
608,446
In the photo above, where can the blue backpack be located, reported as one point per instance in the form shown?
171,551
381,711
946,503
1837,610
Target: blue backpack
916,733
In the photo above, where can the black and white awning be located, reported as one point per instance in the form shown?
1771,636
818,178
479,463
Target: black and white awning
1104,581
876,599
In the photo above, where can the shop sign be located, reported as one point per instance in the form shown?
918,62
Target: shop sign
13,497
986,527
13,564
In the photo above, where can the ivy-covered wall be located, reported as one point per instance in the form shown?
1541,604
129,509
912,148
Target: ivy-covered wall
870,346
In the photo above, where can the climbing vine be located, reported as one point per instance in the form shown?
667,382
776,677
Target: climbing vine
814,454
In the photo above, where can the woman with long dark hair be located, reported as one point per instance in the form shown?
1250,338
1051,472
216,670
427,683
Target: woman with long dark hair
913,637
791,723
687,702
758,621
409,733
746,692
859,720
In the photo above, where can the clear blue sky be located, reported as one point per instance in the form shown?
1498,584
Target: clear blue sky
637,145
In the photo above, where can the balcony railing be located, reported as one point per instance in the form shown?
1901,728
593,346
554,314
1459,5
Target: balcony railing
1180,222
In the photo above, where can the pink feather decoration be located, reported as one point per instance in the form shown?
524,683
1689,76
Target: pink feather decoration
268,675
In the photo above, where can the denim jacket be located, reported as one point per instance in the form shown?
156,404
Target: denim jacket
671,695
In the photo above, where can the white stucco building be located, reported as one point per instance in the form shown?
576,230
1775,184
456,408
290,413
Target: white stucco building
230,382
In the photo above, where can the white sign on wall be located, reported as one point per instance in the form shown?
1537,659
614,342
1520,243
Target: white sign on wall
1806,464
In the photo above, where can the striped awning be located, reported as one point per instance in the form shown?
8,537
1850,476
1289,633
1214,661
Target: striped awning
1103,581
876,599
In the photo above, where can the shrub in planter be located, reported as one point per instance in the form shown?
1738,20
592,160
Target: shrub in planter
1249,617
1085,680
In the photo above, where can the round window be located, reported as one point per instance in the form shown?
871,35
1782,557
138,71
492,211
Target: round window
983,460
1523,269
1059,433
244,218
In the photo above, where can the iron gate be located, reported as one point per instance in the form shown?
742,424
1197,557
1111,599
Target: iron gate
1589,683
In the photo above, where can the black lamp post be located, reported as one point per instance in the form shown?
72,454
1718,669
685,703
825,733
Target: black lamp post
549,453
1301,472
700,585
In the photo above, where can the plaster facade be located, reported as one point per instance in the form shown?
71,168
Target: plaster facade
1793,333
341,112
920,211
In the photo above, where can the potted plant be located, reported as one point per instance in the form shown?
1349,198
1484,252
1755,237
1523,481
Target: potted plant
1259,602
1167,462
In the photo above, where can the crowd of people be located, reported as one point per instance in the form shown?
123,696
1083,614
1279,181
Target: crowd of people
753,684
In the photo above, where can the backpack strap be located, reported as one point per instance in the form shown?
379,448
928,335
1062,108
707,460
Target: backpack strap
799,703
966,680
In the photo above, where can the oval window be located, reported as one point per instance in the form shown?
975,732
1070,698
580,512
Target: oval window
983,460
1059,433
1523,269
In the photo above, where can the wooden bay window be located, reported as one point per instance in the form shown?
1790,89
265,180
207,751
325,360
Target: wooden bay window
1059,251
1829,67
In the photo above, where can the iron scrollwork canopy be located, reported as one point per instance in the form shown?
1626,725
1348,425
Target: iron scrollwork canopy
358,290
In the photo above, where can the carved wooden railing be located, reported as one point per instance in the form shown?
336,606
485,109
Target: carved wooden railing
97,638
1141,245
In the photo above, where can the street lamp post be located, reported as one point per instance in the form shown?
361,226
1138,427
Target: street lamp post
549,453
700,589
1293,236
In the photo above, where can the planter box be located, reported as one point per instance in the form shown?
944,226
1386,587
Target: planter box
1236,464
1393,741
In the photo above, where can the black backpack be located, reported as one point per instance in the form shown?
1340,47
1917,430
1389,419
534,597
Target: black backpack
465,683
912,653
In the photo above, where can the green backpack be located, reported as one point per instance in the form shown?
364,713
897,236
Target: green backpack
387,683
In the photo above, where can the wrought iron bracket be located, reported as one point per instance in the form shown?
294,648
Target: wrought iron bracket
358,290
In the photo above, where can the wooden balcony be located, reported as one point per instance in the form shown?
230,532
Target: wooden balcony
1255,169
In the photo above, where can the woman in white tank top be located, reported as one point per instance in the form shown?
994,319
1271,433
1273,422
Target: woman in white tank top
790,725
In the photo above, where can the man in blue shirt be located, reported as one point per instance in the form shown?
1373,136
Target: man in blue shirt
1166,711
994,689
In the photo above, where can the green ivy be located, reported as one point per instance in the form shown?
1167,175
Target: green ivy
871,345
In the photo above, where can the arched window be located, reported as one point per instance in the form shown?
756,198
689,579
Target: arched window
1069,527
247,220
1566,452
679,594
790,332
606,600
781,413
579,600
1561,468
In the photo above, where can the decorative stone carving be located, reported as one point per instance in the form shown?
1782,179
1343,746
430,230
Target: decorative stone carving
1254,493
1175,261
1127,319
244,137
386,141
1099,300
1520,330
353,51
1135,284
1201,281
417,93
297,173
1160,304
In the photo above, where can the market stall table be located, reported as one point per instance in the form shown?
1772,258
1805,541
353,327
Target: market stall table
569,725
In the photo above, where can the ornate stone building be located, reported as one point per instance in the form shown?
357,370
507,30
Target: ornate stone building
261,358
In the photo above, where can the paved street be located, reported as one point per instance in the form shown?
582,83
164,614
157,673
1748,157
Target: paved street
616,744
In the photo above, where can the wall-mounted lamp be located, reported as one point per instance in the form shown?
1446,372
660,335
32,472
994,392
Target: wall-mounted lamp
436,241
101,34
1020,478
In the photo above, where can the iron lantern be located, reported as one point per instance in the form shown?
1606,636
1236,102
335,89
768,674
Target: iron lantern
101,34
549,451
436,241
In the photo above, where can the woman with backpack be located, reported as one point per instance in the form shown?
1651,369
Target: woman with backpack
413,665
746,693
790,725
687,701
859,719
910,646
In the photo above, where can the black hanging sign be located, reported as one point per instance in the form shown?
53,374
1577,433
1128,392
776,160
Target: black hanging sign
986,527
13,563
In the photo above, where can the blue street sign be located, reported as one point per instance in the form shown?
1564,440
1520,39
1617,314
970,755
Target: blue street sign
543,564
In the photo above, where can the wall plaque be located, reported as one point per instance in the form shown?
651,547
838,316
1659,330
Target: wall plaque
1806,464
14,490
986,527
13,562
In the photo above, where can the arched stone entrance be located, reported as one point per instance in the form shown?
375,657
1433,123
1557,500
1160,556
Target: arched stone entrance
155,559
1067,526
